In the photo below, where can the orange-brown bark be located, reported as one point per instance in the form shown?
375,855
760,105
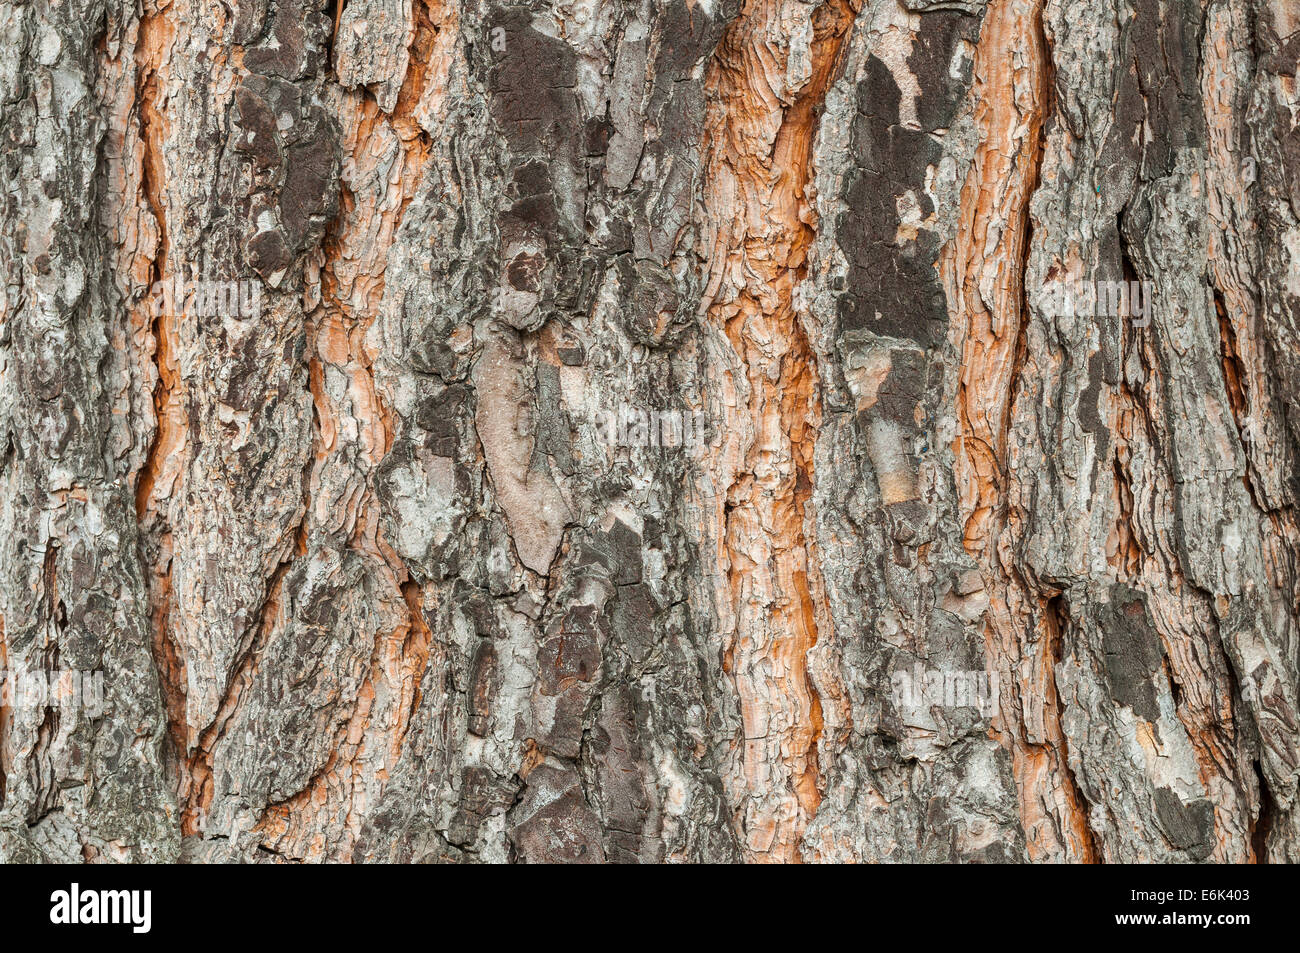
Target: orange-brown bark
983,269
758,175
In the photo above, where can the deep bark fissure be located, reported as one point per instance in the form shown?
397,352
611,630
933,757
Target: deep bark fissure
154,39
1262,822
1058,620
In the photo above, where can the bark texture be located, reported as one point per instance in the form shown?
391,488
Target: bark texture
367,572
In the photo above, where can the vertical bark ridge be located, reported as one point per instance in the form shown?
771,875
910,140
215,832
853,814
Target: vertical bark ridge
984,271
1250,357
72,596
761,124
355,432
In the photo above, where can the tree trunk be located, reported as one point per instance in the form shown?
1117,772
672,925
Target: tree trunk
663,430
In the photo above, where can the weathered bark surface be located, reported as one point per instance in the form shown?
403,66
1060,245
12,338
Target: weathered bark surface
365,575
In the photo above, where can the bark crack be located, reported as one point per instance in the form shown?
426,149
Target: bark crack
154,38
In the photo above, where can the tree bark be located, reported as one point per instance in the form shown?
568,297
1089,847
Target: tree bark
650,431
